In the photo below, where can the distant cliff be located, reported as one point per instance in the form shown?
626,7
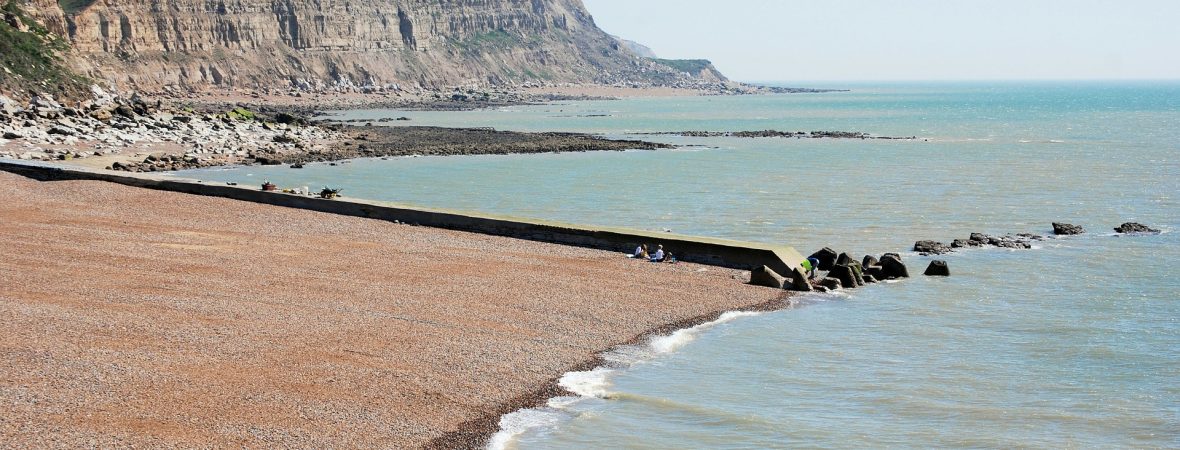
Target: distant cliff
343,44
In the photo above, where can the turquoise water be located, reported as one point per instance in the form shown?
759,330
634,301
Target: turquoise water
1075,343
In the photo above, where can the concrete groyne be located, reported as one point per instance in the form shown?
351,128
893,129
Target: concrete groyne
717,252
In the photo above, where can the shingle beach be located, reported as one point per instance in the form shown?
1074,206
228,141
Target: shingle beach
134,317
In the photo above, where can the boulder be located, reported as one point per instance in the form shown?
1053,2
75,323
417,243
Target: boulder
831,284
102,114
844,258
868,261
764,276
1066,228
8,105
876,272
798,281
12,135
859,272
931,248
892,267
62,130
827,258
938,268
845,274
960,243
869,279
1135,228
125,111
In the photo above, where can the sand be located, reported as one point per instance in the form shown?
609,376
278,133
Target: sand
148,318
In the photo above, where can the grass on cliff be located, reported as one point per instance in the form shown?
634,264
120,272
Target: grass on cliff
692,66
29,58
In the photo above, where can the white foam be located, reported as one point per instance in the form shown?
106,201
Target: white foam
590,383
678,338
595,383
517,422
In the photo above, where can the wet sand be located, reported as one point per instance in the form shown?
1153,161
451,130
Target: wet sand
148,318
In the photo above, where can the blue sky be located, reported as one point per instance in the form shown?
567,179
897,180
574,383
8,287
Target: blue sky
789,40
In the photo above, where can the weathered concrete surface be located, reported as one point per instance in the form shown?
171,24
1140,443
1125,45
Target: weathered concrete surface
702,250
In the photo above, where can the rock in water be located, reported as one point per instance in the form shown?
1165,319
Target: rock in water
1134,227
938,268
892,267
827,258
1066,229
844,273
830,284
764,276
844,258
869,261
931,248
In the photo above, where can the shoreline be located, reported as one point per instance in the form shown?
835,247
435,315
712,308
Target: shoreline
477,356
483,429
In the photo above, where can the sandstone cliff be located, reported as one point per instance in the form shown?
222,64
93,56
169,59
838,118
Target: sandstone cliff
342,44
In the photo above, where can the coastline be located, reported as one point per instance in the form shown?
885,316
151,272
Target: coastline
454,396
477,433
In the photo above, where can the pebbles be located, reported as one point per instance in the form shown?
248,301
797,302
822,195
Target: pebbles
144,318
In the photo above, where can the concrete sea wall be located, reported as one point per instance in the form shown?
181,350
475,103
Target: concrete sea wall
717,252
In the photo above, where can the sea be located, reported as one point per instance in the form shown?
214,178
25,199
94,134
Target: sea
1074,343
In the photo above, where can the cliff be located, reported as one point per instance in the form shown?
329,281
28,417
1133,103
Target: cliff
341,44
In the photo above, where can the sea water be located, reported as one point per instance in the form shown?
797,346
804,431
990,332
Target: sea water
1075,343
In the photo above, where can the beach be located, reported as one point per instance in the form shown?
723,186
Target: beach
144,318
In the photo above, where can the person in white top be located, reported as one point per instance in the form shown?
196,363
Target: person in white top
640,251
658,256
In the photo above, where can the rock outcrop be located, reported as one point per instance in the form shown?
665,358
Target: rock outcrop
365,45
1067,229
1135,228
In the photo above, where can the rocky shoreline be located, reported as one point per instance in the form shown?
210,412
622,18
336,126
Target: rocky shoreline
134,134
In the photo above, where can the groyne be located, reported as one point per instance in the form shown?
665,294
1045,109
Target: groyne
701,250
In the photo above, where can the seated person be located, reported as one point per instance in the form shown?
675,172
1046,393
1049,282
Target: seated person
658,256
641,252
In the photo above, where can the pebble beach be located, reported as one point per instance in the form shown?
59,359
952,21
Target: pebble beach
144,318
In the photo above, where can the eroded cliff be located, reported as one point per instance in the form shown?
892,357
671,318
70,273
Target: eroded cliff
342,44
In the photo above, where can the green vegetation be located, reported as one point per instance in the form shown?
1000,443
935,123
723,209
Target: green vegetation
240,113
693,66
29,60
72,7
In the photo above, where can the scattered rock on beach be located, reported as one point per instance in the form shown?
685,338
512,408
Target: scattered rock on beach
938,268
1066,229
764,276
1135,228
798,281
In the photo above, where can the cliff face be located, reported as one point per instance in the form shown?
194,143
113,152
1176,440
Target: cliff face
323,44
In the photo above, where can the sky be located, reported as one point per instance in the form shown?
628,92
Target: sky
878,40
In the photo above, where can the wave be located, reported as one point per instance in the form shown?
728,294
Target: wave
595,383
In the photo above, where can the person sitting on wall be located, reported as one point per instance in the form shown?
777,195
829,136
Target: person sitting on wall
658,256
640,252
